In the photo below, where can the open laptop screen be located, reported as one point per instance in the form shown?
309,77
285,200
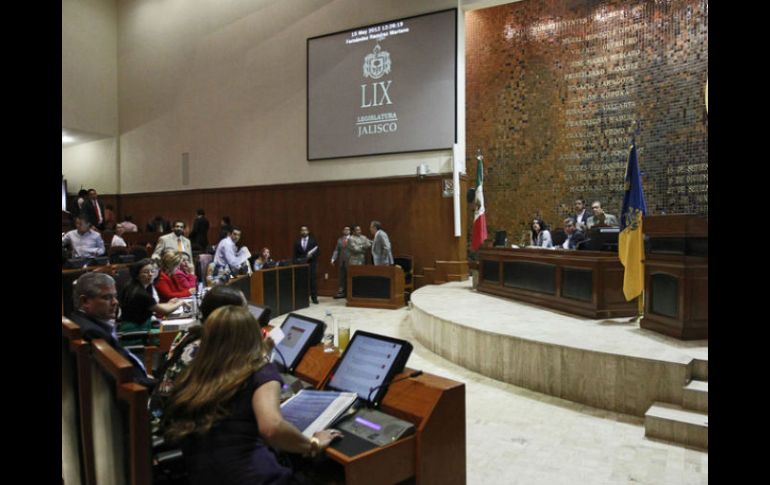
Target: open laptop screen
300,332
369,362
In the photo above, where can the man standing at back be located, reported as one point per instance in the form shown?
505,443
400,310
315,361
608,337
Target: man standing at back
199,236
97,303
306,251
581,213
381,253
93,210
174,241
342,253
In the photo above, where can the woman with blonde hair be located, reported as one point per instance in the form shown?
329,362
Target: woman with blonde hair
225,408
167,285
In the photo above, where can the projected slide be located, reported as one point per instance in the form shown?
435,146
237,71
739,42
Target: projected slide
383,88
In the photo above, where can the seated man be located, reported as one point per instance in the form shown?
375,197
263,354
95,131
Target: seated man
600,217
574,235
96,301
84,241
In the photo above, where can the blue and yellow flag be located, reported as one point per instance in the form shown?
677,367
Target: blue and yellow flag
631,238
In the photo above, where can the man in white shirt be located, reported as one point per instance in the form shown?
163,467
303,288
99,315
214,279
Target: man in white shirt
84,241
174,241
581,214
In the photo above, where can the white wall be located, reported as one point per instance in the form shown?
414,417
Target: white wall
225,81
89,75
91,165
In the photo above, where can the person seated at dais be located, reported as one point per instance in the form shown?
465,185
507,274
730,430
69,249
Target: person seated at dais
574,235
600,218
264,260
539,236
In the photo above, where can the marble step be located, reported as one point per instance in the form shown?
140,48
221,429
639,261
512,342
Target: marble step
700,369
696,396
670,422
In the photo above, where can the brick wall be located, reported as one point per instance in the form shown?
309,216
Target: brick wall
553,89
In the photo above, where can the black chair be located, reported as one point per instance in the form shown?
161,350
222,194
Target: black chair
405,262
115,252
500,239
138,251
558,236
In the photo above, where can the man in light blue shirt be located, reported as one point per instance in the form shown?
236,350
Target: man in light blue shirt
84,241
228,255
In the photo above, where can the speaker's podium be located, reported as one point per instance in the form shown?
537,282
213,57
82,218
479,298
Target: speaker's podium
282,288
375,286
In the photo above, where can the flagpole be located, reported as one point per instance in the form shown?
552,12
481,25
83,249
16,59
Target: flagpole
639,308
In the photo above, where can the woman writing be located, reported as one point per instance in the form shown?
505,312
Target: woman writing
139,300
225,408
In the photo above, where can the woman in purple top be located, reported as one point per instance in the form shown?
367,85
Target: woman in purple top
225,408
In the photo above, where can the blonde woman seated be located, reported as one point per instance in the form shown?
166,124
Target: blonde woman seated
224,410
167,285
539,236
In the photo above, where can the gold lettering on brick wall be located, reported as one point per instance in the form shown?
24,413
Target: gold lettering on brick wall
552,99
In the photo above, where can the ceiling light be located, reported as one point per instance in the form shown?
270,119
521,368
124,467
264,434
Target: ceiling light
66,139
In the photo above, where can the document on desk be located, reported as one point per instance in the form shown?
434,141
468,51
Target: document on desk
310,410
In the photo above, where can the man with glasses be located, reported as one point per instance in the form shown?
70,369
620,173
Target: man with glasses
97,303
174,241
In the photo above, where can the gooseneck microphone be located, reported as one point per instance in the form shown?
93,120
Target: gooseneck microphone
387,384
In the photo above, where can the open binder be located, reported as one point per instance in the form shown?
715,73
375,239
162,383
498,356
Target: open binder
311,410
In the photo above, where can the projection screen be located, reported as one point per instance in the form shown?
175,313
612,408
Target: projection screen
383,88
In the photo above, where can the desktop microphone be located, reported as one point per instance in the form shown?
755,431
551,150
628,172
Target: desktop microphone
372,389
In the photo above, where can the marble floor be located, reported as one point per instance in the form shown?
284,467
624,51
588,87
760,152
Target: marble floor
517,436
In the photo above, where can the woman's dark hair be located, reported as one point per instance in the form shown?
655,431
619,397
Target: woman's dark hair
135,268
219,296
539,222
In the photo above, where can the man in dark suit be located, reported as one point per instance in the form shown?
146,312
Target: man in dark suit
574,235
199,236
96,301
306,251
93,210
581,214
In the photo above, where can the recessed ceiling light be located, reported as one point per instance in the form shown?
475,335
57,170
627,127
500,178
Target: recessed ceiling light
66,139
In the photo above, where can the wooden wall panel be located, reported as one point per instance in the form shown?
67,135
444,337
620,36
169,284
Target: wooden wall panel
413,212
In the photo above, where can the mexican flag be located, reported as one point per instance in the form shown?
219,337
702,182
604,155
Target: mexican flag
479,234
